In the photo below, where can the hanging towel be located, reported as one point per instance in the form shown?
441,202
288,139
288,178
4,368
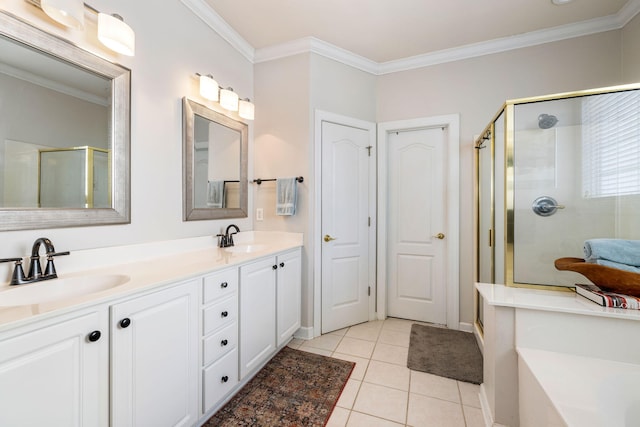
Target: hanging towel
615,250
215,194
286,196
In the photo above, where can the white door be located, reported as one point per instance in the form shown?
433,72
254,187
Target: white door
416,243
347,159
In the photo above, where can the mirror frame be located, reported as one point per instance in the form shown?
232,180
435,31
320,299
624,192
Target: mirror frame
120,135
190,213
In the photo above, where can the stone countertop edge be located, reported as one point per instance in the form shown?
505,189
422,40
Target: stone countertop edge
547,300
151,275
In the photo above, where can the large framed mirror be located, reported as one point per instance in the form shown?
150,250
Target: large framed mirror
214,164
64,133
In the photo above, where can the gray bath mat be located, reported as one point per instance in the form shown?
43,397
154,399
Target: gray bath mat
445,352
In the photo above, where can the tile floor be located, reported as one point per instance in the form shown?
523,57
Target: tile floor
382,391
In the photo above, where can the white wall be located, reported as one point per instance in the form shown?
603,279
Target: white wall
630,51
288,91
172,44
476,89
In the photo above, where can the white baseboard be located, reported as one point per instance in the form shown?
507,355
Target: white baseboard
486,409
304,333
467,327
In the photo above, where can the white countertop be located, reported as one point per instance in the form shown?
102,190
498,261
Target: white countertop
149,273
558,301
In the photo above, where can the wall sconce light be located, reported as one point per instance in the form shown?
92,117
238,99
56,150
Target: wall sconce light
246,109
115,34
229,99
69,13
112,31
208,87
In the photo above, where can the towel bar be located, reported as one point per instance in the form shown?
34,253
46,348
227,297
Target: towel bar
261,180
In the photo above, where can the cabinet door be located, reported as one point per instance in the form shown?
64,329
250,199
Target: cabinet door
288,293
155,358
257,314
55,375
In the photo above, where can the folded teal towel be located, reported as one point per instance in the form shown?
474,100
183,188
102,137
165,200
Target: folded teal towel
618,265
286,196
615,250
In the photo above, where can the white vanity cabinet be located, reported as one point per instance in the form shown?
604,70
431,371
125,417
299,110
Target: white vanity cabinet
219,336
288,292
269,307
56,372
154,358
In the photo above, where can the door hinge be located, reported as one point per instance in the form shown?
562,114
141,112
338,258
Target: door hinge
369,222
369,291
369,150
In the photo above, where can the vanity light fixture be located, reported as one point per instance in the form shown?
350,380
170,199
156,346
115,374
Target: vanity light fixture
69,13
560,2
112,30
229,99
115,34
209,87
246,109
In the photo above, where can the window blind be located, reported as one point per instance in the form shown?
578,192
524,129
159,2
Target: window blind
611,144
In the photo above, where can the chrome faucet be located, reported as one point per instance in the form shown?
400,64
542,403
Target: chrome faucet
226,239
35,269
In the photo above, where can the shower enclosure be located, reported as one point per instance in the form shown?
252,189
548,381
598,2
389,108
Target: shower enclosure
75,177
552,172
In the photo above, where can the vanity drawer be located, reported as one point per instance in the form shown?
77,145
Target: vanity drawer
220,343
220,284
220,314
219,379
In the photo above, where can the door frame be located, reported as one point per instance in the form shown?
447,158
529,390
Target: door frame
325,116
452,269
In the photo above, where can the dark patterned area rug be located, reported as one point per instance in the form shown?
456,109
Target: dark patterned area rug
445,352
295,388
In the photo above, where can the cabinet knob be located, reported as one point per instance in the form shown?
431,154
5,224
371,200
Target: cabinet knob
124,323
282,264
224,379
223,285
223,343
275,266
224,314
94,336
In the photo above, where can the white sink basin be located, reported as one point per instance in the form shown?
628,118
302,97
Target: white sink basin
59,289
245,249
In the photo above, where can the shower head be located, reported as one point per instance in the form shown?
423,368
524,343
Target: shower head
547,121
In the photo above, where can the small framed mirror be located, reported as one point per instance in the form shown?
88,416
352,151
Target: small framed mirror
214,164
64,133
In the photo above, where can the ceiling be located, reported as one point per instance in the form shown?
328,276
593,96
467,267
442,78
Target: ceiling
384,31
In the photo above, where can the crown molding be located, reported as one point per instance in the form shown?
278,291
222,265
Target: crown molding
313,45
320,47
210,17
41,81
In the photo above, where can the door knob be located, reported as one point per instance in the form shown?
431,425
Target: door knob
328,238
439,236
